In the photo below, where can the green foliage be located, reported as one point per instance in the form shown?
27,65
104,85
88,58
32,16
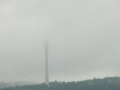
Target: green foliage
108,83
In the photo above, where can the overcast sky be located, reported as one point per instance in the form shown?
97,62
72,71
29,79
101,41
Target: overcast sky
83,35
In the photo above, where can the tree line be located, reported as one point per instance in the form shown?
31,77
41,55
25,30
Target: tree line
108,83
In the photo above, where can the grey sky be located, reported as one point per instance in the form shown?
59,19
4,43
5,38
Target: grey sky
84,39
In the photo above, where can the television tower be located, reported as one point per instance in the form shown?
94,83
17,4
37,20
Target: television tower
46,64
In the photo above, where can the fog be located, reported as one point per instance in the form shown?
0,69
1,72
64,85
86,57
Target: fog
83,35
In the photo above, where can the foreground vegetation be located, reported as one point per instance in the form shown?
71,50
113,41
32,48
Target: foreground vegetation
108,83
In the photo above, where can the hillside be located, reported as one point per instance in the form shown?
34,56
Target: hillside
13,84
108,83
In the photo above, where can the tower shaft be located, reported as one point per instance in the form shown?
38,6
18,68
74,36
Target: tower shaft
46,65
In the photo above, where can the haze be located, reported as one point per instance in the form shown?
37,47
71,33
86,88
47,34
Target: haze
83,35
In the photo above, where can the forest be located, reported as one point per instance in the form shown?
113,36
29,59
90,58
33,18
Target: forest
108,83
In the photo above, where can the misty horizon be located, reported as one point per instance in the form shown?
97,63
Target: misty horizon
84,39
